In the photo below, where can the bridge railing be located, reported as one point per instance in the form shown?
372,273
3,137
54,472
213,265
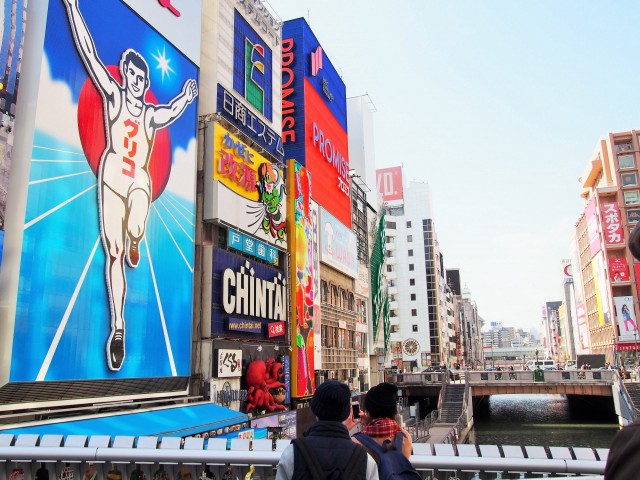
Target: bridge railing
550,376
118,458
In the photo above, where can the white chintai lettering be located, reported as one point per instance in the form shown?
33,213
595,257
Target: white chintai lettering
261,298
243,283
253,296
228,300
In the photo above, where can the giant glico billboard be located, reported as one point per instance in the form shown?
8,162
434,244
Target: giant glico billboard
302,274
105,284
314,118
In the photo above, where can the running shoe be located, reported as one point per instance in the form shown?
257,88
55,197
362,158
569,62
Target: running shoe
133,256
115,349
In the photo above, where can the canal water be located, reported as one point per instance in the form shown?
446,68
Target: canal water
547,420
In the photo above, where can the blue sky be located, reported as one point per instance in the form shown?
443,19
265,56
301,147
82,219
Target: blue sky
498,105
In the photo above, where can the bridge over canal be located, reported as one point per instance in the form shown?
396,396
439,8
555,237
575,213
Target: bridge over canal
454,411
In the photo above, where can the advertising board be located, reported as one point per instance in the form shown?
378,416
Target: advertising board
314,124
249,298
601,289
389,182
618,269
626,318
611,223
178,20
243,188
302,273
338,245
592,227
14,22
258,379
242,79
110,211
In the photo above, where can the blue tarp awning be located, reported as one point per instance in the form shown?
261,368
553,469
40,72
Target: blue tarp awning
180,421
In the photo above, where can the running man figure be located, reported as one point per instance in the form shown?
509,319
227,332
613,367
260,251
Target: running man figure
124,184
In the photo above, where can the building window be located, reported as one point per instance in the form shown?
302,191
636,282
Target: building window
411,253
409,238
414,312
632,197
629,179
625,146
408,224
626,161
412,281
413,297
415,328
411,267
633,215
389,268
391,225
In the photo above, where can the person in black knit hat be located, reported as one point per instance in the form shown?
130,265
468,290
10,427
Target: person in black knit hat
623,462
326,449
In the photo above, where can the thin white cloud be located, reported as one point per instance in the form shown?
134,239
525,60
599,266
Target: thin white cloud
57,113
182,181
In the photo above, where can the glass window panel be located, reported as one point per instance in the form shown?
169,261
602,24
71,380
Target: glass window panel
632,197
626,161
633,215
629,179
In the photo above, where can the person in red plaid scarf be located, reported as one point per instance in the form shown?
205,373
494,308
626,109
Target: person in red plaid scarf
379,416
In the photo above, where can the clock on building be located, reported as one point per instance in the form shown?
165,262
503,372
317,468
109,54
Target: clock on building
410,346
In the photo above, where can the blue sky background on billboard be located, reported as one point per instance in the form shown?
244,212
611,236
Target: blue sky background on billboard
498,106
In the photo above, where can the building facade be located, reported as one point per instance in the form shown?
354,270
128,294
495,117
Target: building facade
609,274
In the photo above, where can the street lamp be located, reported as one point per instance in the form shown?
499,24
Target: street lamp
537,363
615,351
635,340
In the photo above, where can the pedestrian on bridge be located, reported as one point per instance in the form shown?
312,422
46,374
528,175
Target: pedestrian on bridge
379,416
326,450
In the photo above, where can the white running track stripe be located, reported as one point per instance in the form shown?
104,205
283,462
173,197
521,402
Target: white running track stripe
35,182
57,207
57,150
177,208
174,240
167,196
161,312
65,318
54,160
180,226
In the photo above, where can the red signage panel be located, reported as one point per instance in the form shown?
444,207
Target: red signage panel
276,329
612,223
327,156
618,270
389,182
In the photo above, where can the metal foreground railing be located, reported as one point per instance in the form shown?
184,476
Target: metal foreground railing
167,459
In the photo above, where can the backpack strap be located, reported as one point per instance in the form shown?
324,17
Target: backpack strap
312,463
358,457
370,443
398,441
